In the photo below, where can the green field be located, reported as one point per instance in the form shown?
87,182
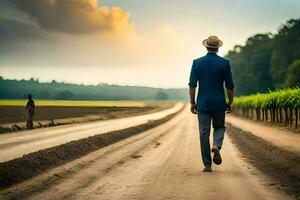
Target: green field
64,103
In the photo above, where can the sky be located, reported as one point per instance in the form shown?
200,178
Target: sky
127,42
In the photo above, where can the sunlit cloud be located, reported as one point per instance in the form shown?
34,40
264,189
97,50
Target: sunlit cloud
82,33
72,33
73,16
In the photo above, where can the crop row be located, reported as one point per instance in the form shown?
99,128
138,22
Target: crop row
280,106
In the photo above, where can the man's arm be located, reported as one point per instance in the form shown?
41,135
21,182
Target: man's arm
230,88
193,85
192,100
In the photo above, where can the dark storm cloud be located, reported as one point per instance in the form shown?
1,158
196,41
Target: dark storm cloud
15,35
36,32
71,16
11,29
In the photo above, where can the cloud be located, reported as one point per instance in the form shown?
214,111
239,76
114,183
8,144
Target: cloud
30,29
73,16
74,33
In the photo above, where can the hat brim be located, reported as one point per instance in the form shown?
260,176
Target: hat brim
220,43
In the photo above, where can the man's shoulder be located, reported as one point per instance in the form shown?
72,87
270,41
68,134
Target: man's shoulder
198,60
223,59
217,57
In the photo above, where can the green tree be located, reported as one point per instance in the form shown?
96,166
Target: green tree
293,74
251,64
286,49
265,61
65,95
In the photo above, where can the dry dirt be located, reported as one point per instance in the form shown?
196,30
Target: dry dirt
280,164
32,164
287,140
161,163
12,114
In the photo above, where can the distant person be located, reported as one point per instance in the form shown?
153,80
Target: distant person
209,73
30,107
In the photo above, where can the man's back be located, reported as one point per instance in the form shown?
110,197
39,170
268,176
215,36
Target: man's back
210,72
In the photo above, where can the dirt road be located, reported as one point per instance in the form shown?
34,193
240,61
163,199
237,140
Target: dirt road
161,163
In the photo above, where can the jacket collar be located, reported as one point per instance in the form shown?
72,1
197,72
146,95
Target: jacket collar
211,53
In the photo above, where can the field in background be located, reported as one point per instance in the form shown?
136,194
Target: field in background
13,114
74,103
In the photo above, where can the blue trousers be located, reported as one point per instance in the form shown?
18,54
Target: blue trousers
205,118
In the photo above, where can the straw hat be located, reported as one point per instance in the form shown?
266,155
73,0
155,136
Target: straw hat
212,42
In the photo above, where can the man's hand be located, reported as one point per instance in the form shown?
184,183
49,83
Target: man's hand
230,93
194,108
229,108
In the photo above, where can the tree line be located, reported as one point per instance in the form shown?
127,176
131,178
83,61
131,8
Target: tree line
267,61
18,89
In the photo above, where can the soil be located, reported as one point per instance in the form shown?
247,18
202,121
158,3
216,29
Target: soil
285,139
30,165
280,164
12,114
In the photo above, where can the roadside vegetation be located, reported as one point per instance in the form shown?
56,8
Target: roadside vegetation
266,72
280,107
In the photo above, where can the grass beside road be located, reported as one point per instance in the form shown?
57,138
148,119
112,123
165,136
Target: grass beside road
67,103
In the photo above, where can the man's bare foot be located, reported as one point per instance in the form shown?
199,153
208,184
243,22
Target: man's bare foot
217,156
207,169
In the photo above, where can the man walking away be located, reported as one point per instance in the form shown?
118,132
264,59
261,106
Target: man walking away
210,73
30,107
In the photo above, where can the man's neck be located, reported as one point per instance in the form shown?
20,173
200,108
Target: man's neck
212,52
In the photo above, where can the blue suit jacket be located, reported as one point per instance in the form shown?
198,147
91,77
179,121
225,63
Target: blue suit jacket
210,73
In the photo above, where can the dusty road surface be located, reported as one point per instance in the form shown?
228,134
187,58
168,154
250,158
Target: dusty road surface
287,140
159,164
15,145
